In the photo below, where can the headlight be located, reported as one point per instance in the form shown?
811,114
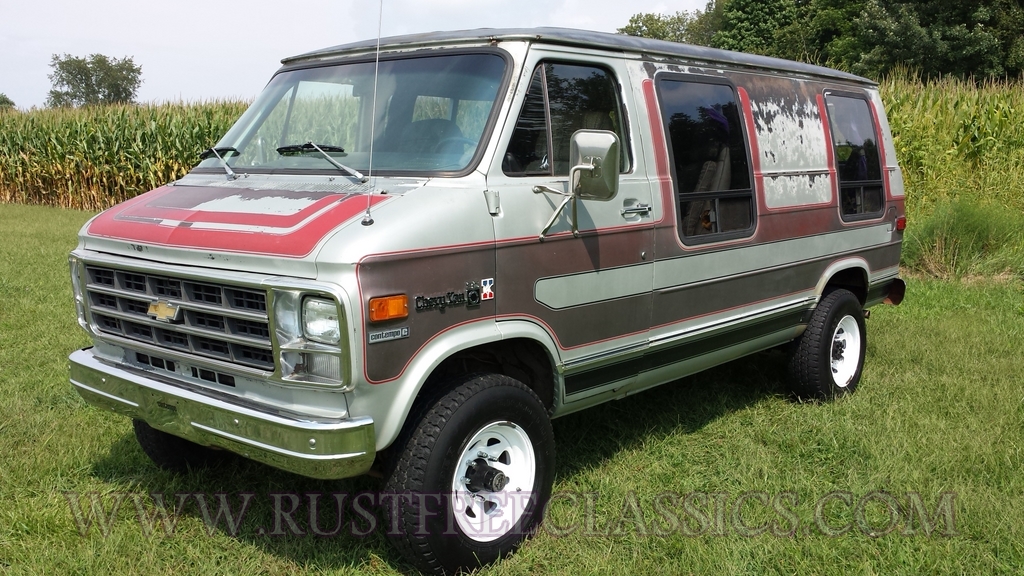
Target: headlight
320,321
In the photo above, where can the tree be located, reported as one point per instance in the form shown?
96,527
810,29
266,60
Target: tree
752,25
658,26
823,32
96,79
705,24
697,27
980,39
5,103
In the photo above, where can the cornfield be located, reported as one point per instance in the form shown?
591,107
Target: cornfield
94,157
955,140
958,141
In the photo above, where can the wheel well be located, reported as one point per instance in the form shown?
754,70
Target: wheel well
853,279
519,358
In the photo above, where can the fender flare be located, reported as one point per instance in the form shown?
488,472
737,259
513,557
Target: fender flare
849,263
390,403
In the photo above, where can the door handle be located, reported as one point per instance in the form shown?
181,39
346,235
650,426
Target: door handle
637,210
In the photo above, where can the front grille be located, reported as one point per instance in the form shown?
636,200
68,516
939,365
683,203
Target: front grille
212,320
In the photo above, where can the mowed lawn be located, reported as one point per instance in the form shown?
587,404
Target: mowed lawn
720,473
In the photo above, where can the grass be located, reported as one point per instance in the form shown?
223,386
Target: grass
940,410
962,238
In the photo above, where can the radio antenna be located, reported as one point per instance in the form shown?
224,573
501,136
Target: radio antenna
367,218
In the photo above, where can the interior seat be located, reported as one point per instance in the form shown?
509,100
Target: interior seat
423,136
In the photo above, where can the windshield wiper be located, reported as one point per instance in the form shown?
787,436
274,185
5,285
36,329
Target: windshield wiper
216,152
296,148
309,146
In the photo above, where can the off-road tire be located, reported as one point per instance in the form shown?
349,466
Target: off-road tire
171,452
811,361
426,457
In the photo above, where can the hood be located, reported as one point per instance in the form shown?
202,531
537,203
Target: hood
268,230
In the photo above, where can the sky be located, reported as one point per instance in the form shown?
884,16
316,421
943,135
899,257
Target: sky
191,50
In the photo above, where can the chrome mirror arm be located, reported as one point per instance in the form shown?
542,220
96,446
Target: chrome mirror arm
554,216
568,197
541,188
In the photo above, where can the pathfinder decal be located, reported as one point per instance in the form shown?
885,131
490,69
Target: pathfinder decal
393,334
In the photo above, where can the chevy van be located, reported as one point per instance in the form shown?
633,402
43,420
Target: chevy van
410,259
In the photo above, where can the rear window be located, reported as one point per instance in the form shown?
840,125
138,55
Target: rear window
855,141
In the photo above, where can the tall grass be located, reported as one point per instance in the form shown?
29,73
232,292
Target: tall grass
961,238
961,147
957,139
95,157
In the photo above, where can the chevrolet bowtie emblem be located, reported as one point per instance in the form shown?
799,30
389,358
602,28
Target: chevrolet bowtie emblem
164,311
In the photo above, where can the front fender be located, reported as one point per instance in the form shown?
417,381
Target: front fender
389,403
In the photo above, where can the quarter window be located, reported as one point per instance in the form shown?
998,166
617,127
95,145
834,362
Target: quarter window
562,98
857,159
709,159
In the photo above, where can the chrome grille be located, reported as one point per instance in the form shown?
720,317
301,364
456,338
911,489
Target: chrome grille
227,323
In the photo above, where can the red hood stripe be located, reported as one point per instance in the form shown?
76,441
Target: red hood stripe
142,220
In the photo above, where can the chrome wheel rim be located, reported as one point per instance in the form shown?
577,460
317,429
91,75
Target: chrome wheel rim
845,352
493,481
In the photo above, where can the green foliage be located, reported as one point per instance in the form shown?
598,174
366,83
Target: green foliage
98,156
963,237
868,37
821,31
752,25
961,147
5,103
697,27
956,138
661,27
94,80
935,38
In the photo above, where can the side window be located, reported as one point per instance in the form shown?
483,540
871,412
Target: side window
562,98
709,158
861,194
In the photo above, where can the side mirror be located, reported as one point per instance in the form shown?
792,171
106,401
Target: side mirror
594,175
595,158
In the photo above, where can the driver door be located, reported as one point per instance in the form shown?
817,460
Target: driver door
591,293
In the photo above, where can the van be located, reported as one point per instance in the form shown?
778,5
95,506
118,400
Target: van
409,259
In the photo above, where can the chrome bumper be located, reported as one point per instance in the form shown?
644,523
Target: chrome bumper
322,448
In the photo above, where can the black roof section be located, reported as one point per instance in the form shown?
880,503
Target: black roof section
582,38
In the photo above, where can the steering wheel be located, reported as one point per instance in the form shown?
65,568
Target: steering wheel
439,147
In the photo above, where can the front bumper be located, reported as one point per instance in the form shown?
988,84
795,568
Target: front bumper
320,448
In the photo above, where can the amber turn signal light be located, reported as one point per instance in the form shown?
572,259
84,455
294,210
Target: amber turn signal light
389,308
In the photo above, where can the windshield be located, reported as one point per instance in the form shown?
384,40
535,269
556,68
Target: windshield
431,114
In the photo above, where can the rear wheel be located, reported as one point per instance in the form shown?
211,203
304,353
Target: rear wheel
828,357
472,475
171,452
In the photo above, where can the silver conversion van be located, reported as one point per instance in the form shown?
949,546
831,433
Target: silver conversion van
414,259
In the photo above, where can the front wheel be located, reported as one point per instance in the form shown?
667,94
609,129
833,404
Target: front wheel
472,476
828,357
